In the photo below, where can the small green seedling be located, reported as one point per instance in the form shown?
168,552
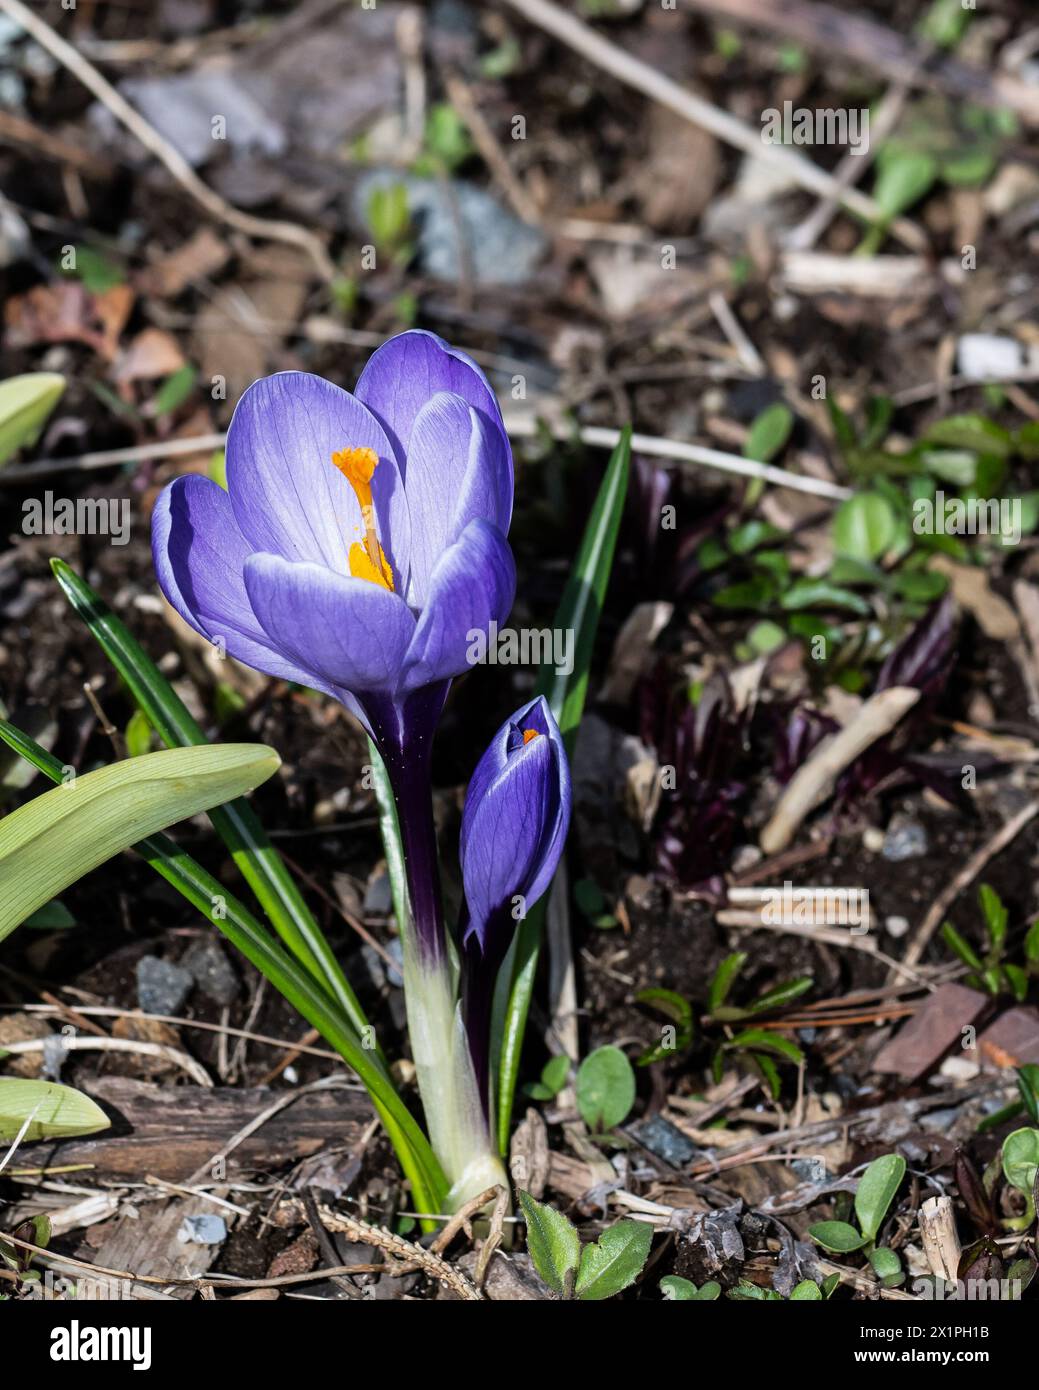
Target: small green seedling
590,1272
553,1079
1020,1160
755,1048
991,972
605,1089
874,1194
678,1290
678,1034
807,1291
16,1261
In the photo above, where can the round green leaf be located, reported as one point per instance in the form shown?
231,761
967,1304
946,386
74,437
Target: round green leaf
864,526
837,1237
1021,1159
806,1292
605,1088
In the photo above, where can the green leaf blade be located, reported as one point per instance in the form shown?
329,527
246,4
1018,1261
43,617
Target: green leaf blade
876,1190
553,1244
614,1262
55,839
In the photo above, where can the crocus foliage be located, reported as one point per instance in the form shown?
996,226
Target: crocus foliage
361,540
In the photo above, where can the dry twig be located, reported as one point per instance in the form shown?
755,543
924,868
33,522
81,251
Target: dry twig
156,144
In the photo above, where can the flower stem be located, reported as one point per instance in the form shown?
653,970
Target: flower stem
454,1101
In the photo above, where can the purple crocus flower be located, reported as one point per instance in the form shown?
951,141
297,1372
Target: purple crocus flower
514,824
360,539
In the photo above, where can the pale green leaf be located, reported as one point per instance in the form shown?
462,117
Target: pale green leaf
57,1111
58,837
25,404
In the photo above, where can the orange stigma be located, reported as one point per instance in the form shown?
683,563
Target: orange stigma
367,558
528,735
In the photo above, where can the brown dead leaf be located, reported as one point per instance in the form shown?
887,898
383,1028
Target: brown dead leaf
202,255
113,309
151,355
971,590
680,173
237,334
528,1154
65,312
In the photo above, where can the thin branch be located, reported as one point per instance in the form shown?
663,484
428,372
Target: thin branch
161,148
611,58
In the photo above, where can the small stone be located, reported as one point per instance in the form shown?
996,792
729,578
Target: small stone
211,971
502,250
378,896
959,1069
896,926
744,857
1013,185
988,357
873,839
811,1169
395,973
665,1140
936,1026
905,839
207,1229
161,986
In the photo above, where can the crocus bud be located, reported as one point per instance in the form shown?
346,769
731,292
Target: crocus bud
516,816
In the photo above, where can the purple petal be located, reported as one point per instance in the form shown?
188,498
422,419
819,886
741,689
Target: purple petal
199,556
450,481
472,586
288,496
403,374
351,632
517,812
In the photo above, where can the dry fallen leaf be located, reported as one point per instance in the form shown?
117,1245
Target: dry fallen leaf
151,355
202,255
66,312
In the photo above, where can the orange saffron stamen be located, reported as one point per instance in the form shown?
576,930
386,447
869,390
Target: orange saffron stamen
529,734
367,559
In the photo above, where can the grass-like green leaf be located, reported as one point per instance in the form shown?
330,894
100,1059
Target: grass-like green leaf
236,823
58,837
579,610
391,843
723,978
262,949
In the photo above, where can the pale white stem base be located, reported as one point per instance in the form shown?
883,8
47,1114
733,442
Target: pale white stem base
457,1126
